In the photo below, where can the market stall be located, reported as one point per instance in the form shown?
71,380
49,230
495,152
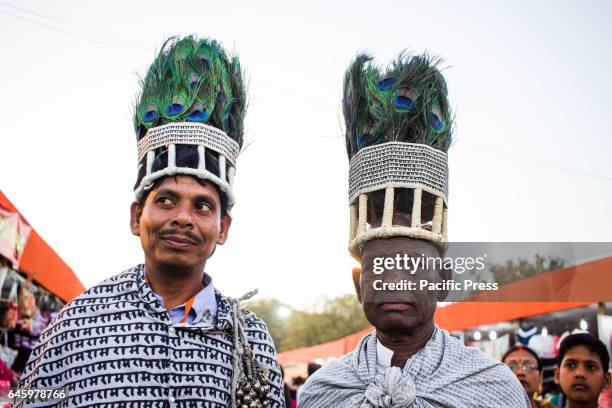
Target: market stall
35,283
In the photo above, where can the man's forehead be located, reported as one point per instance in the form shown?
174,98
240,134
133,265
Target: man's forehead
520,355
186,186
399,245
582,353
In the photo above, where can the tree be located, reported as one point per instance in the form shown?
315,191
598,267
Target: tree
513,270
336,318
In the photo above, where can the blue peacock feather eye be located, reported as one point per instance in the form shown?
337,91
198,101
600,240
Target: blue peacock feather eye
193,81
363,140
198,115
435,121
386,84
403,103
174,109
205,62
150,116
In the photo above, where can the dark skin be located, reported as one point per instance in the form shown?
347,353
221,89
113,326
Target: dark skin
403,319
179,226
582,377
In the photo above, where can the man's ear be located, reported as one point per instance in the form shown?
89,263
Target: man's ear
607,380
226,222
135,213
556,375
356,282
445,273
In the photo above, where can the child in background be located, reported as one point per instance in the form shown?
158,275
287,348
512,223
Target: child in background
582,369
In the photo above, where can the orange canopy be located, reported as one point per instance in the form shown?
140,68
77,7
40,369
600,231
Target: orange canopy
48,269
579,285
334,348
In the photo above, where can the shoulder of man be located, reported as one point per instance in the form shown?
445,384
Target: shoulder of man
110,290
260,339
495,381
508,386
321,388
88,304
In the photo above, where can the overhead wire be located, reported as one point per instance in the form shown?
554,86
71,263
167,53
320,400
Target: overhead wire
315,102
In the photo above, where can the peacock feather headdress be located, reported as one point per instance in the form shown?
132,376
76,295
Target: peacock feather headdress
405,102
398,131
189,115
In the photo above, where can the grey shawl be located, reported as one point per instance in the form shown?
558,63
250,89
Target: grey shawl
444,373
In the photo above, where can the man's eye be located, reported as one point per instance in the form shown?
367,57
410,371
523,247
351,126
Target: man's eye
164,201
592,367
570,365
203,206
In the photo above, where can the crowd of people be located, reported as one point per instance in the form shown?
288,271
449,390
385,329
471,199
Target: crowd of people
581,375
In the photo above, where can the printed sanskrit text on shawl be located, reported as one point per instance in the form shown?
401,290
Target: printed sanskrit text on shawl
444,373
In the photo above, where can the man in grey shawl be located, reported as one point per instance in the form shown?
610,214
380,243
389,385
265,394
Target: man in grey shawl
398,131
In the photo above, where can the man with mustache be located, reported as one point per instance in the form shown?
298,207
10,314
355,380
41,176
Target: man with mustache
398,130
582,369
160,334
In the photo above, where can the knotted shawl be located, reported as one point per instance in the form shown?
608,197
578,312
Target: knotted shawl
445,373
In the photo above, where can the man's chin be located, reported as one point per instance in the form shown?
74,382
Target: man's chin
177,264
580,396
398,323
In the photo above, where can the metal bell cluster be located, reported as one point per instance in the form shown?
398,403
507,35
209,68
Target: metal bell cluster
256,395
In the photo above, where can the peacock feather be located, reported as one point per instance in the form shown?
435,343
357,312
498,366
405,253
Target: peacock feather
192,80
404,102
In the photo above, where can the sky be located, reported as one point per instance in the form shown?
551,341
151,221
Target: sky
528,81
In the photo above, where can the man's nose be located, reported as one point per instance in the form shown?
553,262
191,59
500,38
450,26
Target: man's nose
580,372
182,216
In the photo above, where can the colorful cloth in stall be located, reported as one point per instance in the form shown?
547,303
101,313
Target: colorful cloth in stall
14,234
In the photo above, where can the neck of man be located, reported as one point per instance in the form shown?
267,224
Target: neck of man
589,404
173,285
406,344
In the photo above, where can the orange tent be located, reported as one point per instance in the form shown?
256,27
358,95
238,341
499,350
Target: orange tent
47,268
556,290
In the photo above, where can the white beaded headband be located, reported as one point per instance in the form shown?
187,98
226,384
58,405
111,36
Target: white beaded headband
188,133
397,165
